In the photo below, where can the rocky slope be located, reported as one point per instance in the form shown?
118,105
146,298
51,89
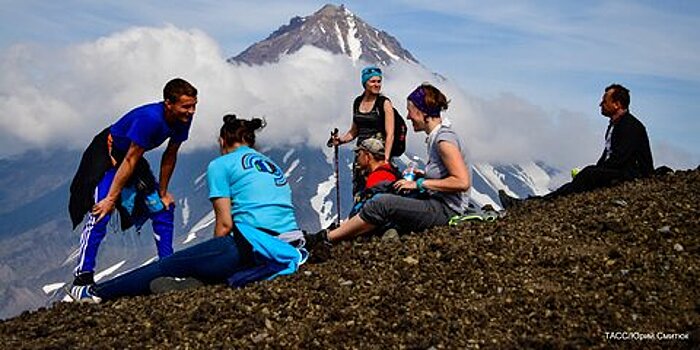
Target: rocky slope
564,274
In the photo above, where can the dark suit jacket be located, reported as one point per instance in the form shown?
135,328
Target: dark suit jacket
630,152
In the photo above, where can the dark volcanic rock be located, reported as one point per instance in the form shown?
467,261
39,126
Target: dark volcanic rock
549,275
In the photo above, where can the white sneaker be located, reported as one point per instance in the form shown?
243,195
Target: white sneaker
82,294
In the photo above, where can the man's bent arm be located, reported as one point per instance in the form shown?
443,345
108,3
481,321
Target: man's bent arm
124,172
167,166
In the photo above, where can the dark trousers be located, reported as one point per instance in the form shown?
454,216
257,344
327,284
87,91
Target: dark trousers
213,261
590,178
408,214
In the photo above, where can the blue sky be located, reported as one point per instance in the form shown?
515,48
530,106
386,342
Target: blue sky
556,55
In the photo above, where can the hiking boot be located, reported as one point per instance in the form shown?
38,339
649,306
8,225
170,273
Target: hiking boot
508,202
318,246
488,207
169,284
82,294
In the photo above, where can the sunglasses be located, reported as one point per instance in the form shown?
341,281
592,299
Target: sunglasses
372,70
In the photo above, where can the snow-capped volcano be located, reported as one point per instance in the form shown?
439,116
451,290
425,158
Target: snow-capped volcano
332,28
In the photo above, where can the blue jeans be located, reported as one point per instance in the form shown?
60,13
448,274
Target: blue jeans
211,262
94,232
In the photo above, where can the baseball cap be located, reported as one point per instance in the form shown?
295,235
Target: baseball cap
371,145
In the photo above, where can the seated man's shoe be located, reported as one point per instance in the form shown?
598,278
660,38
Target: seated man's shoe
508,202
169,284
82,294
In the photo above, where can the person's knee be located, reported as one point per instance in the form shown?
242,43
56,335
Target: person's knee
377,209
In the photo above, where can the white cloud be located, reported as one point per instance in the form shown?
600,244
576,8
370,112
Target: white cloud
64,97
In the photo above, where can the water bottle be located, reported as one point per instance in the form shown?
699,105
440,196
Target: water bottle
410,172
574,172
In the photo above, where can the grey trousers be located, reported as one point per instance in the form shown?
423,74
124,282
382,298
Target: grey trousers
408,214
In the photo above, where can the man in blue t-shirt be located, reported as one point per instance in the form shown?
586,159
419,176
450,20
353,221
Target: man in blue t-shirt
113,174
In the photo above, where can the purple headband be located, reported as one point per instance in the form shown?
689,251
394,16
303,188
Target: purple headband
417,97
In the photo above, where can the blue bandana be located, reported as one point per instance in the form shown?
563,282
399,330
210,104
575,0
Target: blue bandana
417,97
370,72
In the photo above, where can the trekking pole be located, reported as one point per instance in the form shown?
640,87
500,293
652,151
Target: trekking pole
334,134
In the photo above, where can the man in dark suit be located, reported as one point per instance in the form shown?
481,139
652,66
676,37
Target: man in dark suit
627,154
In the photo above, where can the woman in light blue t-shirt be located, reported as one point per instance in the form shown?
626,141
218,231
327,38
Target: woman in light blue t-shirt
256,236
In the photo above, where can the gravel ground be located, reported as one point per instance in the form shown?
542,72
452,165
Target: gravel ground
606,269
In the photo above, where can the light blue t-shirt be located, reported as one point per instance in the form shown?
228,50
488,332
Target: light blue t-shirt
259,192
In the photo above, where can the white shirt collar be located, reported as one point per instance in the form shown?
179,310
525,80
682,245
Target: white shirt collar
432,135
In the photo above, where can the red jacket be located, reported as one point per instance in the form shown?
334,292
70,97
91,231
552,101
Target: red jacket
381,174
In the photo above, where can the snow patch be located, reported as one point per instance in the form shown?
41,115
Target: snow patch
341,40
148,261
388,52
291,168
529,174
494,178
481,199
108,271
353,43
185,212
203,223
535,177
198,183
50,288
287,155
322,206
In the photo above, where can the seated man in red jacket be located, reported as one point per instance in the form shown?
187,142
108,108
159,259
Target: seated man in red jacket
370,158
381,174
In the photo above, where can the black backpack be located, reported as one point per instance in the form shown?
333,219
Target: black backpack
399,145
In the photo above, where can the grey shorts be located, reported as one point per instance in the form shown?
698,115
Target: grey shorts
408,214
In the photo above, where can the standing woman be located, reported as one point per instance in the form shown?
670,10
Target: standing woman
372,117
255,235
445,184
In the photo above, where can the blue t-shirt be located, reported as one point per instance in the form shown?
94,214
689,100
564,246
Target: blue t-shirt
146,127
259,192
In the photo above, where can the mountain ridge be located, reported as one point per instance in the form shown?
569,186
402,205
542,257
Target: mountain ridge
351,36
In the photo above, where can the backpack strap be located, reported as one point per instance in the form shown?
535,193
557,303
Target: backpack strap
356,104
379,106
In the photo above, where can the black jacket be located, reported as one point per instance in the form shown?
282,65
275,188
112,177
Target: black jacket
630,152
95,162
